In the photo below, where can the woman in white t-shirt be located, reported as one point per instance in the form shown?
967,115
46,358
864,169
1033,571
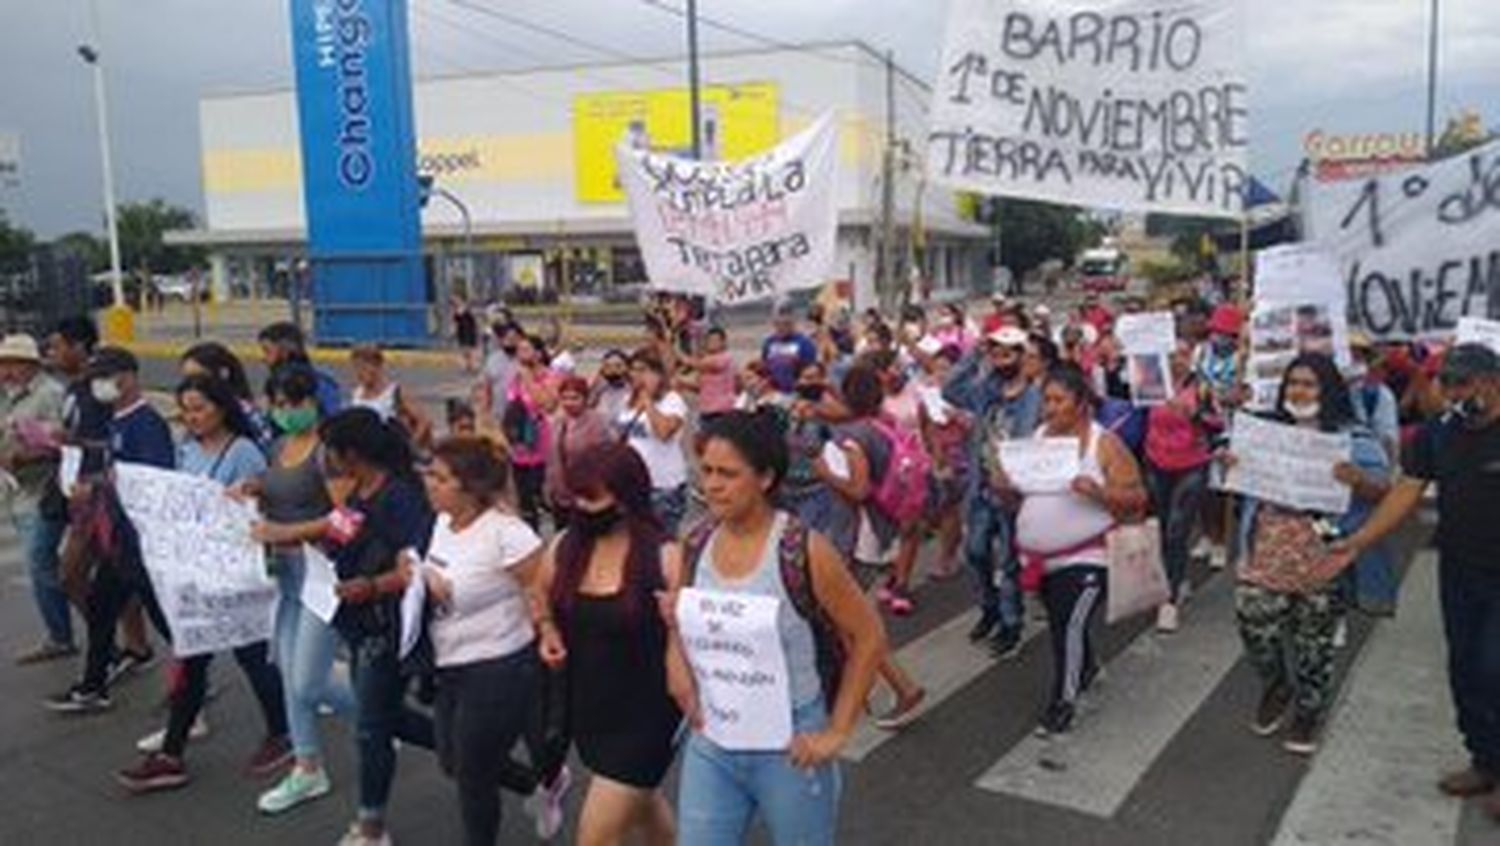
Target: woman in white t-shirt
652,424
481,575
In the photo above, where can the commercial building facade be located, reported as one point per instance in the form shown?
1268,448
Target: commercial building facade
528,156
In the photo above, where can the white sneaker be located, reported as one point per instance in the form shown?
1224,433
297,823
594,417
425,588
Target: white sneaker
1167,620
155,740
1203,547
1341,634
1218,558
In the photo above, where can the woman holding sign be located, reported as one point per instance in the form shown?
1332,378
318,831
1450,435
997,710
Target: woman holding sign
765,736
1061,533
221,446
601,577
1289,602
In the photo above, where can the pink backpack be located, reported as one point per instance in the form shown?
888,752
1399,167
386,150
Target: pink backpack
902,492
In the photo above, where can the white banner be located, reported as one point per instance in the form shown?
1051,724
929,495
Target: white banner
737,231
1287,465
1477,330
1298,273
1147,332
1417,249
734,648
1040,465
1137,105
209,576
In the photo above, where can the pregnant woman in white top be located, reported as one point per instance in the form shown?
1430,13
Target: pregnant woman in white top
1064,533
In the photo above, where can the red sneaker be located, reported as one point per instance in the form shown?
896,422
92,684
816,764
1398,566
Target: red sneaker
155,772
274,754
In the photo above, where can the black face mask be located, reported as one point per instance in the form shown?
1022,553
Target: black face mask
509,349
811,393
1009,371
594,524
615,379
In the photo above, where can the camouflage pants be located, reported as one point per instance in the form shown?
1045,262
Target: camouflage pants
1288,638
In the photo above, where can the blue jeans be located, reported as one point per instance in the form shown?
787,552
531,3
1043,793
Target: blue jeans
380,689
990,534
305,647
41,537
1470,597
669,504
721,792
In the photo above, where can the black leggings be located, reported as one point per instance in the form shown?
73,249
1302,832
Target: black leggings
1073,596
190,685
482,709
529,482
115,584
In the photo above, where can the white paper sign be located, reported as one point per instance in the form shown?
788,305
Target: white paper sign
1477,330
735,650
1287,465
1150,378
1298,273
737,231
318,582
1418,249
69,468
836,460
1148,332
413,600
1127,104
1281,332
1040,465
209,575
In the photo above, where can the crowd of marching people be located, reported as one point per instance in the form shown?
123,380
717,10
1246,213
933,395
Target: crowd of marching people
553,515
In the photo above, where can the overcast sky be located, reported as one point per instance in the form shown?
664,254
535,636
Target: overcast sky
1339,65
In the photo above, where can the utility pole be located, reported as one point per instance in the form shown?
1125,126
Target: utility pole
695,94
90,53
1432,78
886,281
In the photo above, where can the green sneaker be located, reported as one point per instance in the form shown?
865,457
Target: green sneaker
297,787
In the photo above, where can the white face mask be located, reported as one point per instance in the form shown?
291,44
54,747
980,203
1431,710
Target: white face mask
106,391
1303,412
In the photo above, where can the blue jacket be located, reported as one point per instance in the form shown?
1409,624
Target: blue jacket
975,387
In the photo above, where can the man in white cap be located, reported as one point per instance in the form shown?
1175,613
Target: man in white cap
31,426
990,385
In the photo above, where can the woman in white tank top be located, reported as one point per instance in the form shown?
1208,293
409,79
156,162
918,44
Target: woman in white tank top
1063,534
375,390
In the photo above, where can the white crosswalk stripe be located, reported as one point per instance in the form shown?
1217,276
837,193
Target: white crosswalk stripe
1390,736
1156,686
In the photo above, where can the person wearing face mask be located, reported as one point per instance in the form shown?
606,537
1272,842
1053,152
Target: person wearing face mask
601,577
807,434
1217,366
1375,404
138,434
283,344
1289,602
296,488
992,387
1460,453
31,428
610,393
500,367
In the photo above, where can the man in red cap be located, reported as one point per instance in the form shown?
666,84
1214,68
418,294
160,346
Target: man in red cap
1217,365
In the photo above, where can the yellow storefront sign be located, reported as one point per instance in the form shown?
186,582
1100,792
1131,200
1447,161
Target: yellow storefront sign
739,121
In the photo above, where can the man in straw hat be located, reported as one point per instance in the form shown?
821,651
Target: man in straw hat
31,412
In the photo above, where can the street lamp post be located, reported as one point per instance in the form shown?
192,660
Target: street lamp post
1432,78
90,54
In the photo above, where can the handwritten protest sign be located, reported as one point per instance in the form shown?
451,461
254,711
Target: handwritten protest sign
737,231
734,648
1298,273
1418,249
1128,104
1040,465
1287,465
1477,330
209,576
1301,306
1147,332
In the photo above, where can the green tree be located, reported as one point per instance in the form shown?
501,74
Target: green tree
1032,233
16,243
142,248
86,245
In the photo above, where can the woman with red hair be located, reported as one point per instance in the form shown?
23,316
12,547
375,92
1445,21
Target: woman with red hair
602,576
